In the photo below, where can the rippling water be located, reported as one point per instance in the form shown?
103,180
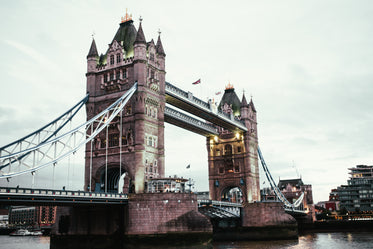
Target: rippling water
340,240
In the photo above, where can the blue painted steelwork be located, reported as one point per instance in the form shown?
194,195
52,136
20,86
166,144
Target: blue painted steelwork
72,112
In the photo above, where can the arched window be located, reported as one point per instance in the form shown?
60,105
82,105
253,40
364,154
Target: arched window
228,149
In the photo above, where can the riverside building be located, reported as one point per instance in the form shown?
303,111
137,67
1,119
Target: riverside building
357,195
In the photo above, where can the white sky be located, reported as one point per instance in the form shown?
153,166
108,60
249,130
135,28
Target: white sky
308,65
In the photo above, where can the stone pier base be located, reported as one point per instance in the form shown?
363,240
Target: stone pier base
172,217
267,221
160,218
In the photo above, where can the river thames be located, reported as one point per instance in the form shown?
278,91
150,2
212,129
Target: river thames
335,240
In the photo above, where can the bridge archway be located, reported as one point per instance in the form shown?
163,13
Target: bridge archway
114,176
232,194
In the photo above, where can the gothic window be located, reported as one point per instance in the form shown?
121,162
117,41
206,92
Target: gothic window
111,59
237,169
151,56
118,58
151,168
124,140
105,77
239,149
111,76
155,163
228,149
103,144
113,140
150,141
128,110
117,77
152,74
124,73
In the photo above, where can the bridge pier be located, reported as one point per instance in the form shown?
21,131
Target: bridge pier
267,220
147,218
258,221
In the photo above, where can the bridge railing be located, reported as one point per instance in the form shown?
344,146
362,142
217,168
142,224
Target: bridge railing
218,203
60,193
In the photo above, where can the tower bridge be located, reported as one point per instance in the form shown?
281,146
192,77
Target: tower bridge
129,101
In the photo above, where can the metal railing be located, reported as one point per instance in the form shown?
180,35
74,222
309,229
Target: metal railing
6,191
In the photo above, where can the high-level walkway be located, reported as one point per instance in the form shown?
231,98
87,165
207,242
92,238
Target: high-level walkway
207,111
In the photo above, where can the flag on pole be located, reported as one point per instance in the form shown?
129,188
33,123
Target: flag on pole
217,93
188,167
197,82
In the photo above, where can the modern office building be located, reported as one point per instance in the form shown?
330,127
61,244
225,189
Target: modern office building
357,195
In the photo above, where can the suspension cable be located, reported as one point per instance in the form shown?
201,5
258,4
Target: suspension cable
43,149
277,191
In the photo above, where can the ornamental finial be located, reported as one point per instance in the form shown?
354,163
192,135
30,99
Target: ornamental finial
126,18
229,86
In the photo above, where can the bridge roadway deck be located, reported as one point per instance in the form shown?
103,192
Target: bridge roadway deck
187,102
26,196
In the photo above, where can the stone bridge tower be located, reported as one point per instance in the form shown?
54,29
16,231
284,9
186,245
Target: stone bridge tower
233,156
128,59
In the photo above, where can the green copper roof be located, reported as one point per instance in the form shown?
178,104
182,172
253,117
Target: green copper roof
230,97
126,36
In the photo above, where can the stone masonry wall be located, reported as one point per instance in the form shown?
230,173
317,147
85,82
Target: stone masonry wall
161,213
262,214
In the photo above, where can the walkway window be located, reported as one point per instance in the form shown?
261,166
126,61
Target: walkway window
117,77
124,73
111,76
105,78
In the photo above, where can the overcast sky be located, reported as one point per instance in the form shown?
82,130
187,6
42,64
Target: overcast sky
307,64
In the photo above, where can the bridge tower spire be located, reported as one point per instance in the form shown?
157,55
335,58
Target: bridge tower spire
139,152
233,159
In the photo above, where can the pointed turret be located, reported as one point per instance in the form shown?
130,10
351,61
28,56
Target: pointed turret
140,37
159,46
244,108
243,102
93,50
251,104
